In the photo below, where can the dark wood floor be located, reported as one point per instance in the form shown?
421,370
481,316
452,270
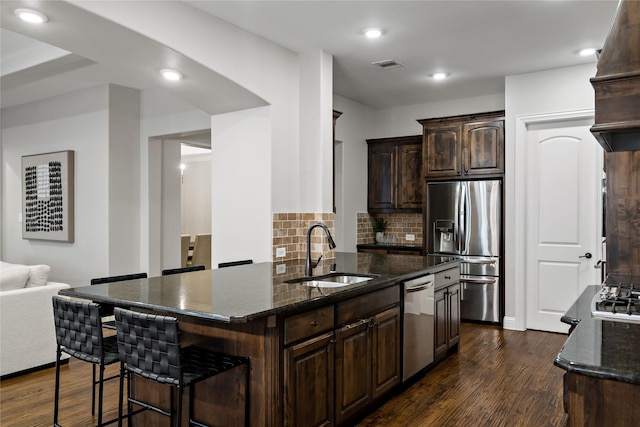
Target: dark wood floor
498,378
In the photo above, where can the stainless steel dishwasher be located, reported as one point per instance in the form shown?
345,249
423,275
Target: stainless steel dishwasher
418,325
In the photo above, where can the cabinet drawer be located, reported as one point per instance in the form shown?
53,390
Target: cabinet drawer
366,305
307,324
447,277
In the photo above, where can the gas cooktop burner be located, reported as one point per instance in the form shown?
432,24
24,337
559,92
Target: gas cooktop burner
619,299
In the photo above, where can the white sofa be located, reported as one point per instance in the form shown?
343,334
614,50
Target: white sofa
27,333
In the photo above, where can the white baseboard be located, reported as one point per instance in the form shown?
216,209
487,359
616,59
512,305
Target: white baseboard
510,323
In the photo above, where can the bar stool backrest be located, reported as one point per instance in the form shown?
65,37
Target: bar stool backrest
121,278
181,270
78,328
150,345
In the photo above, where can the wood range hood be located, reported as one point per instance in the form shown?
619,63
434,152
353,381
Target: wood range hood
617,83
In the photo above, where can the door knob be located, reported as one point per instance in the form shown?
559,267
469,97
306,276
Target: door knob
587,255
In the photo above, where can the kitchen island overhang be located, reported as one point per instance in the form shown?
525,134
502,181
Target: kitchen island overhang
242,311
249,292
602,364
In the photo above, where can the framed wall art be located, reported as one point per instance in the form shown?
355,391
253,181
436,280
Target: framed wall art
47,196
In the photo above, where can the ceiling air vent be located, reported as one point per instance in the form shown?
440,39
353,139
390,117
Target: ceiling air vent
387,64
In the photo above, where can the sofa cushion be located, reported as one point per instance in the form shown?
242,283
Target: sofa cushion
13,277
38,274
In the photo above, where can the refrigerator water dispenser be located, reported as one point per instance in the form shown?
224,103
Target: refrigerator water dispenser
444,236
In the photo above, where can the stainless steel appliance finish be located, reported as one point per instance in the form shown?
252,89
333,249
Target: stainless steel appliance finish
418,325
464,220
618,299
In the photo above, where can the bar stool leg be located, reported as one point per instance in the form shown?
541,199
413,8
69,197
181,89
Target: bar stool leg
120,391
179,408
100,394
247,394
93,390
57,389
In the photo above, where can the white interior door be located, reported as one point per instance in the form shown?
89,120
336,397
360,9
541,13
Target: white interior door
564,214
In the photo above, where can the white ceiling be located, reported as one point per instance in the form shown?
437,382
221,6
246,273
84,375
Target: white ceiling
479,42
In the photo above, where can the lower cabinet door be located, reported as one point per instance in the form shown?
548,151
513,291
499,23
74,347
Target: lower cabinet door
309,382
441,332
386,351
353,369
454,315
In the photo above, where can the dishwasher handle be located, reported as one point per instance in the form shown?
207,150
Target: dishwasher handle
418,288
419,284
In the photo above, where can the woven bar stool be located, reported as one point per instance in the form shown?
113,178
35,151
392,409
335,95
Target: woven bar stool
149,346
107,310
79,334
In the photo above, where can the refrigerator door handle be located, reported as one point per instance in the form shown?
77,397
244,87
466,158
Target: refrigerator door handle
479,281
462,230
480,261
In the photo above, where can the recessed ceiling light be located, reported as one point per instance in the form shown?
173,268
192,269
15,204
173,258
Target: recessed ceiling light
32,16
172,75
372,33
588,51
439,76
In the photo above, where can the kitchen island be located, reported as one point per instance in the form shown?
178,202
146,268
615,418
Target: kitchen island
602,360
288,330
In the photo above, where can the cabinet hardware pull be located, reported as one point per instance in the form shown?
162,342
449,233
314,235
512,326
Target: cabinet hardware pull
314,323
447,277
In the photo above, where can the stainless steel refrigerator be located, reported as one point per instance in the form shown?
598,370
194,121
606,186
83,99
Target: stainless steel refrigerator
464,219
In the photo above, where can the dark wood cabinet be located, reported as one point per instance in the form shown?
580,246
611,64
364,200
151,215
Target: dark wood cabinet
394,173
442,151
333,373
463,145
353,369
309,380
367,350
447,311
386,351
594,402
483,147
367,361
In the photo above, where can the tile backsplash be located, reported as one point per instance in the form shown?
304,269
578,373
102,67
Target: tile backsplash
398,226
290,232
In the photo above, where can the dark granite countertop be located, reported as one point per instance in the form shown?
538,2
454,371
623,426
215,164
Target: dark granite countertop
250,292
600,348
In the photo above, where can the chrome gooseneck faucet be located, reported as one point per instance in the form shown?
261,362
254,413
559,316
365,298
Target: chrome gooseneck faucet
310,265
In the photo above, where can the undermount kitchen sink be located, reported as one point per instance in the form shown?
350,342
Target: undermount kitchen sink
334,280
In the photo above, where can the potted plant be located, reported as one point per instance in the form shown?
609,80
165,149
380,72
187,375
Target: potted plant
379,227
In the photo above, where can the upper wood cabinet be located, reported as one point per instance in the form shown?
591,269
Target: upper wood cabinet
395,170
463,145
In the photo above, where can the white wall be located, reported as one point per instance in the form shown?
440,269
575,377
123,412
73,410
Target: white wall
124,182
196,195
558,90
161,114
76,121
171,204
315,165
242,185
271,72
264,68
353,127
402,121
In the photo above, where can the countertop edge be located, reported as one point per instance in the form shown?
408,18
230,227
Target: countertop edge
597,372
579,317
352,291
